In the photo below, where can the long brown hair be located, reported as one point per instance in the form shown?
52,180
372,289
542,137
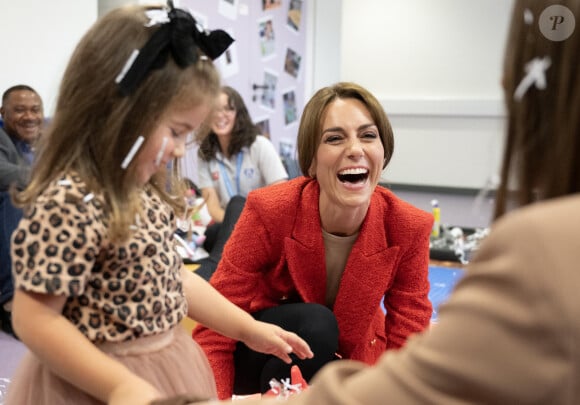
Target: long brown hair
94,126
542,148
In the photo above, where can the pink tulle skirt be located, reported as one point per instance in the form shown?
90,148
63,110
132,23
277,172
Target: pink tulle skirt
171,361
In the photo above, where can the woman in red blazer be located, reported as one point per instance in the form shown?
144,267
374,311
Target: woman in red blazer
316,255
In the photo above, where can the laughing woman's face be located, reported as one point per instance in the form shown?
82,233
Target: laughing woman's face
349,159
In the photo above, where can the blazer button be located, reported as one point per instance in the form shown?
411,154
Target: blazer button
373,342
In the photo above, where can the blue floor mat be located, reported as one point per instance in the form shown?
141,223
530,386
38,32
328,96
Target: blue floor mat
442,280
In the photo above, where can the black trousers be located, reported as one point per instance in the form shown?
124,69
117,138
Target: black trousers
217,235
314,323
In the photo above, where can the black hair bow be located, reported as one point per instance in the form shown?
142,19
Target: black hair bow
179,37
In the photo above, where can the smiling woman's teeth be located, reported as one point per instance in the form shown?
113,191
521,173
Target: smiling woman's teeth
354,175
358,170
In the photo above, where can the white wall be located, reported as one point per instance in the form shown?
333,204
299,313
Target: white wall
436,68
38,36
425,48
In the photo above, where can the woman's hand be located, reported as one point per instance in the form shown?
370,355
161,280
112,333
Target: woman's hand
271,339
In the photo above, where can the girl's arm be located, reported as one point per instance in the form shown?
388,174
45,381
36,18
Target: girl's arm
213,204
68,353
207,306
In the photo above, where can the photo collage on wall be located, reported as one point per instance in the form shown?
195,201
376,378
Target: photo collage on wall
265,64
279,95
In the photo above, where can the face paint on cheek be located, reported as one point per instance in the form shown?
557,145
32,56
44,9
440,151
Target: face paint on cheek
132,152
161,151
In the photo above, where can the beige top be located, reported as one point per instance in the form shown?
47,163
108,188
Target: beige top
336,250
115,292
509,334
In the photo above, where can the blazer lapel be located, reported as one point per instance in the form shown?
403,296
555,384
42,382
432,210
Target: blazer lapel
305,249
369,271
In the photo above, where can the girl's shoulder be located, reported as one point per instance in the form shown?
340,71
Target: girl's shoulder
70,192
66,186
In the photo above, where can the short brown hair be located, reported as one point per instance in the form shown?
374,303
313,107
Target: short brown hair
310,130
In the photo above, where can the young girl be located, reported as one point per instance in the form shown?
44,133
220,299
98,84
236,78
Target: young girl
101,290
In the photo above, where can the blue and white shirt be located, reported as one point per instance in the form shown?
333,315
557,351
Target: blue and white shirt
259,165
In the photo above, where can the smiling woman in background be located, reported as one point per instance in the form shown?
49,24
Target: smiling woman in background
318,253
233,160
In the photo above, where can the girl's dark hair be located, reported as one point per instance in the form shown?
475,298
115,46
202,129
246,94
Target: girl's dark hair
244,131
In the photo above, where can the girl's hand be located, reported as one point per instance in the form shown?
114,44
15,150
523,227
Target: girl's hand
135,391
271,339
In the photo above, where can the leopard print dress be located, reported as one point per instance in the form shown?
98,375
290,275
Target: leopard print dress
118,294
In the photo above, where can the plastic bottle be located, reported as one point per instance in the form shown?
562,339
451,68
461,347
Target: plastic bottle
435,232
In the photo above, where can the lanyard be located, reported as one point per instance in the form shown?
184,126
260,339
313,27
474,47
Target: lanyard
226,178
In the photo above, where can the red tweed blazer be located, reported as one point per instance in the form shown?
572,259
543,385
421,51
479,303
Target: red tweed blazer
277,251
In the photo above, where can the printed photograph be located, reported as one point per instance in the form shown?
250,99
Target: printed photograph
290,111
295,14
271,4
266,34
292,63
268,98
264,125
